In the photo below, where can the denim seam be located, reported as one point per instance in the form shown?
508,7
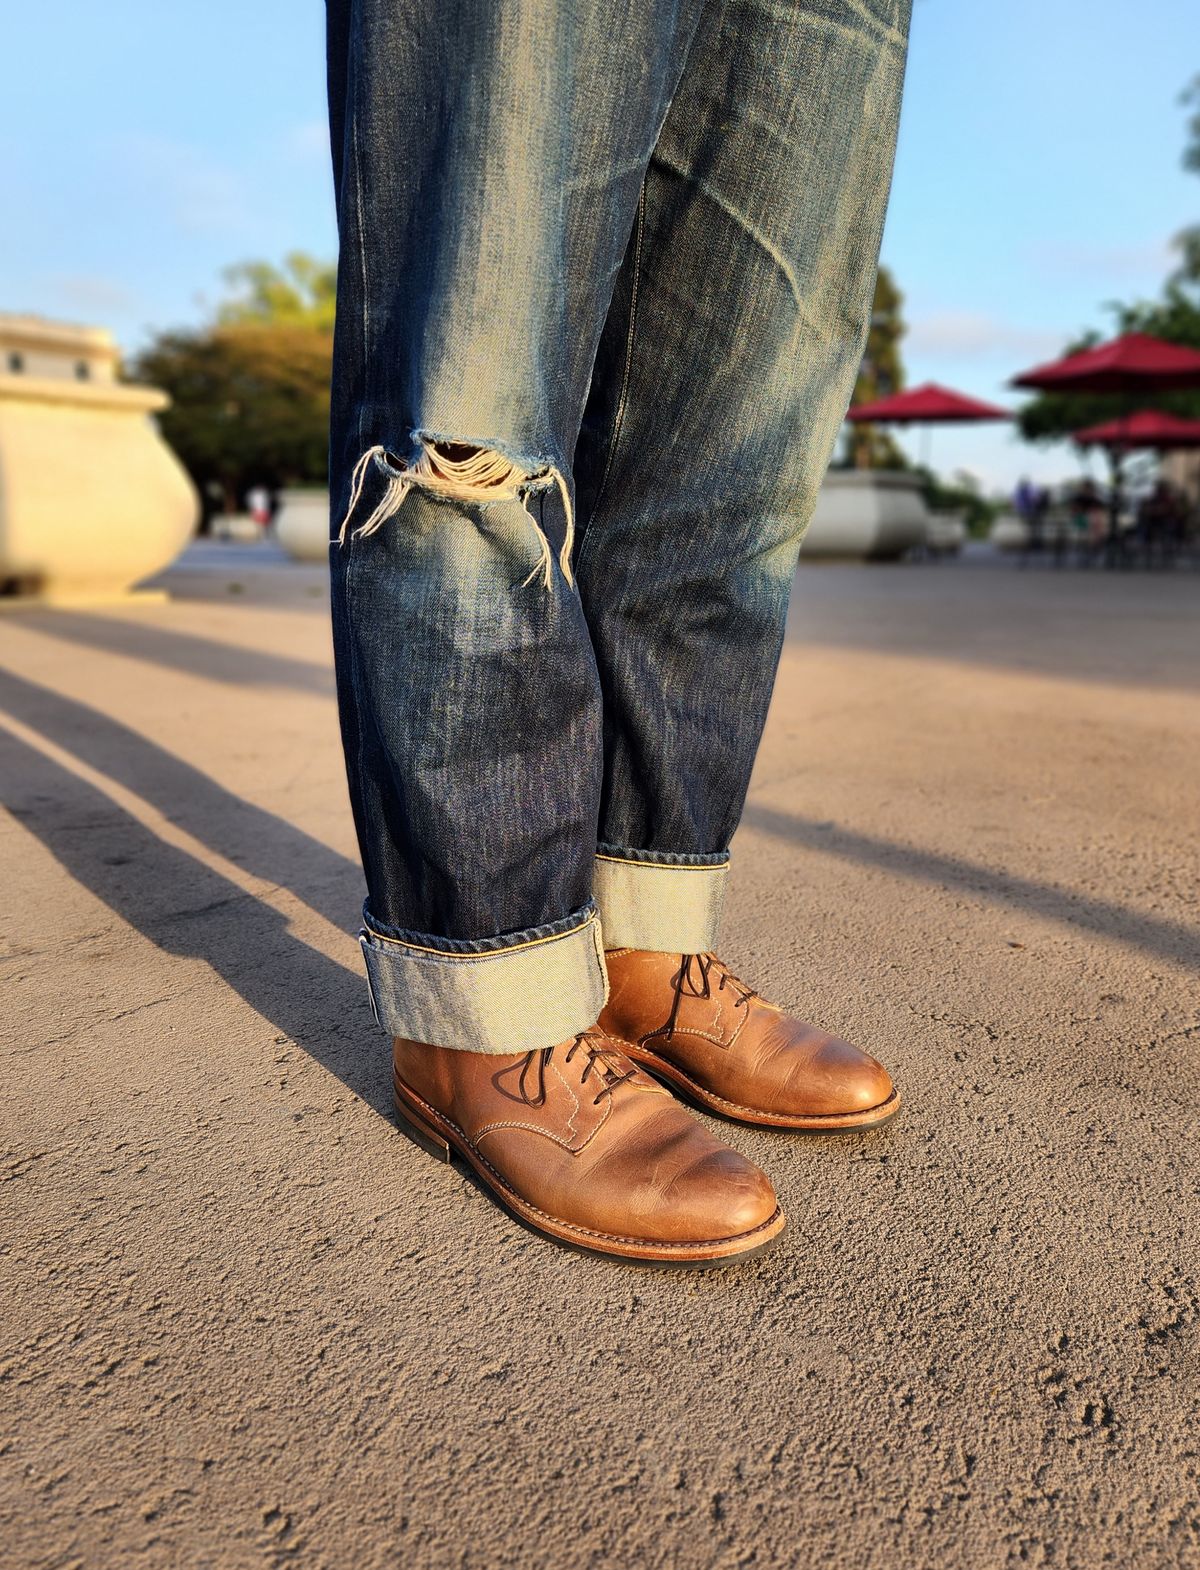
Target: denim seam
356,675
509,948
362,252
667,866
619,418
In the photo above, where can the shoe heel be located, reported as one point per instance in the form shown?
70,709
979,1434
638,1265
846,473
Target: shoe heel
420,1132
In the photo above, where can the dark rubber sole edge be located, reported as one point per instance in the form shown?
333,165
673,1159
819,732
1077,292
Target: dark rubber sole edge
675,1080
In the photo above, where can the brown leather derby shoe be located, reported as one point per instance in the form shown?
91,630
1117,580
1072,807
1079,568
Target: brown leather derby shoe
691,1022
581,1145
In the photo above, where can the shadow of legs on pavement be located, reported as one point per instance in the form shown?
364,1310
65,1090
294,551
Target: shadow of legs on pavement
260,841
183,651
1169,940
191,911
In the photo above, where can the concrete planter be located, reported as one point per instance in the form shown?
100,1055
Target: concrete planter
947,533
1008,532
302,524
238,528
92,499
871,514
866,513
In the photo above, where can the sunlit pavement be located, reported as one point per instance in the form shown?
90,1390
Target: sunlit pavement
247,1322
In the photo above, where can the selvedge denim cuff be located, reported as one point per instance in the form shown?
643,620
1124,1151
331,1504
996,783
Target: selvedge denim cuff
653,900
517,993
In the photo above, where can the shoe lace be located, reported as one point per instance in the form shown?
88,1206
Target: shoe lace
604,1057
693,979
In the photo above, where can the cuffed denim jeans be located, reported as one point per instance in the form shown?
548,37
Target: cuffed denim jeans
604,283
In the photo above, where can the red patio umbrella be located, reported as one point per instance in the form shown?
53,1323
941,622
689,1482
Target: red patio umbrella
928,404
1151,428
1135,362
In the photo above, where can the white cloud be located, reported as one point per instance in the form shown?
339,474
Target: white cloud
1116,263
969,334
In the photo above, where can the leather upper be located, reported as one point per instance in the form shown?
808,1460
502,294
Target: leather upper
580,1132
691,1011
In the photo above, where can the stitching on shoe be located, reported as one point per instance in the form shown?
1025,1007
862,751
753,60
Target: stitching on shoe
571,1226
570,1092
705,1035
490,1128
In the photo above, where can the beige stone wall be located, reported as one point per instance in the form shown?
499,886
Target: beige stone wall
33,346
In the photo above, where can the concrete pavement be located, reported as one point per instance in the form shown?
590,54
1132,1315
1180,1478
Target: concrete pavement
247,1323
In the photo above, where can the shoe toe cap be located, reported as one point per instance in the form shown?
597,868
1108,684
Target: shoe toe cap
864,1081
828,1076
721,1195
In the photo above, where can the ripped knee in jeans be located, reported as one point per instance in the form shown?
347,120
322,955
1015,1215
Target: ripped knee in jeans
462,471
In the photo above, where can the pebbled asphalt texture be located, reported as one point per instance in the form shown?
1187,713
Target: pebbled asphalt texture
247,1323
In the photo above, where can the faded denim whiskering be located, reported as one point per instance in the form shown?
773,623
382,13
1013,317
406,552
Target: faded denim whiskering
603,288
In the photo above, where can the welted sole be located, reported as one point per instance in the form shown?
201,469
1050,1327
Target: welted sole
443,1140
817,1123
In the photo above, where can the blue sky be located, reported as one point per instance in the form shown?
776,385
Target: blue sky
145,147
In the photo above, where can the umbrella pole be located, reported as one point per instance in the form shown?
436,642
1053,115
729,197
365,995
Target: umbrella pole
1114,506
1115,453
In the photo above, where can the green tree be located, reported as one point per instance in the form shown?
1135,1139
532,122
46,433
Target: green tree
301,293
961,493
1187,242
250,392
880,374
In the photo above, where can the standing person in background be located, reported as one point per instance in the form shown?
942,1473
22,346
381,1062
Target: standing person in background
603,290
258,505
1089,519
1025,499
